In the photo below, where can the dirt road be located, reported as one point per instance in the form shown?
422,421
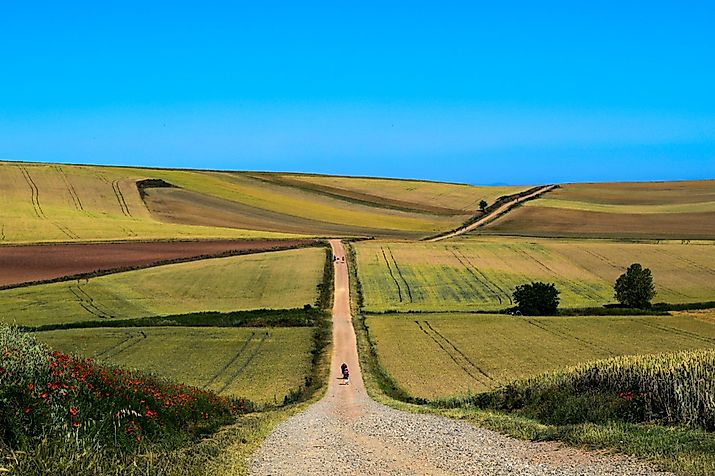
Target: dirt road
494,214
348,433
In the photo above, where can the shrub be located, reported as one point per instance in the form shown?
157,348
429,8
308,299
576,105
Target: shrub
537,299
634,288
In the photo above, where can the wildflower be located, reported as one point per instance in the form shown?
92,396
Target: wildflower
76,424
73,411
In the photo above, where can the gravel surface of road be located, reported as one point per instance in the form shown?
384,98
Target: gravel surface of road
348,433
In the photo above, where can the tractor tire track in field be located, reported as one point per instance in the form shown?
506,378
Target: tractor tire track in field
35,193
233,359
679,332
240,370
117,194
389,268
566,335
346,432
129,341
88,302
462,365
120,198
66,230
70,188
464,356
479,275
399,272
577,287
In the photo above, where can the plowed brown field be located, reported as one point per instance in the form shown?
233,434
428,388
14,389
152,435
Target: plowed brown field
22,264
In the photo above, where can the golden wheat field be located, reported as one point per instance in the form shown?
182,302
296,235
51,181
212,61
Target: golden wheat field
441,355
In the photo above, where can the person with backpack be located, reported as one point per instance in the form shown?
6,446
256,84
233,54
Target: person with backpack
346,373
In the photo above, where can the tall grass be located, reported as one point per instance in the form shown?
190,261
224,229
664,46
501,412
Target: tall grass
674,389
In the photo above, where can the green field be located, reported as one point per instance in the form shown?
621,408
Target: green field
261,364
47,202
53,202
440,355
275,280
482,273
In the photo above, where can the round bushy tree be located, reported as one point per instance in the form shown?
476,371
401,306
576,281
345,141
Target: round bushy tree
537,299
634,288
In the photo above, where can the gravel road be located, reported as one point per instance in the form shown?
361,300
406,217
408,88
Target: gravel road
348,433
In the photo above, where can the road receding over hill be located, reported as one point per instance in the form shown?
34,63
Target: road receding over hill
348,433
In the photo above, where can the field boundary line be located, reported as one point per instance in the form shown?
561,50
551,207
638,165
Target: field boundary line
233,359
243,367
451,355
389,268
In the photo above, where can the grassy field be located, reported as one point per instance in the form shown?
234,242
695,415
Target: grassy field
477,352
657,210
277,280
481,273
52,202
47,202
260,364
411,195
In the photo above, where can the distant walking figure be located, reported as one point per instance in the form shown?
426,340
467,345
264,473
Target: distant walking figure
346,373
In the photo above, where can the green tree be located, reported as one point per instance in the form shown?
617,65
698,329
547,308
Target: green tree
483,205
634,288
537,299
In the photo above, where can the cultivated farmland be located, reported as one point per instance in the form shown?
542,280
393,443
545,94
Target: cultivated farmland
439,355
261,364
276,280
48,202
21,264
657,210
482,273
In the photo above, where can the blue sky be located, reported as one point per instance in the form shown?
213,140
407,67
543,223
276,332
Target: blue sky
519,92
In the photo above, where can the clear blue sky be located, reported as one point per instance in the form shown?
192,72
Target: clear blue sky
522,92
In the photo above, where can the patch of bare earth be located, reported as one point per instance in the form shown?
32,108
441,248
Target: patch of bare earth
22,264
548,221
348,433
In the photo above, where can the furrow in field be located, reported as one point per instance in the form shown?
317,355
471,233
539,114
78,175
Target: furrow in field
478,275
34,193
399,272
465,367
565,335
688,262
392,275
233,359
240,370
464,356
